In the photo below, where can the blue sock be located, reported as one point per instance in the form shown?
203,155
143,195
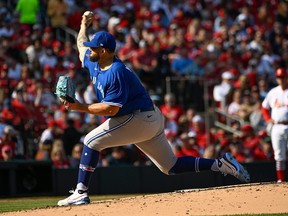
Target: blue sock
191,164
88,163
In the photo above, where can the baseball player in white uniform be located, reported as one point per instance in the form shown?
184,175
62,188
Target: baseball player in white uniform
275,112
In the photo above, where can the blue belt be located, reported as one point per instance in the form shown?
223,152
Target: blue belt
146,109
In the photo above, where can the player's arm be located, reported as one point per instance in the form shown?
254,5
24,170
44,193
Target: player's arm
101,109
82,36
266,110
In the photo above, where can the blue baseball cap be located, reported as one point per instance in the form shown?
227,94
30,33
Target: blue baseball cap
102,39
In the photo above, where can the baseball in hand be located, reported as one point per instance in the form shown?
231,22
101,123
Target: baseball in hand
88,14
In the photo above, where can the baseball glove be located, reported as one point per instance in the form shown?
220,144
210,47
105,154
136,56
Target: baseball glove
65,89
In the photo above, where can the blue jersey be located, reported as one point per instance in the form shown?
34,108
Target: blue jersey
118,86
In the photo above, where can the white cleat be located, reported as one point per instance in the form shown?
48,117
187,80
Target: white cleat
229,165
78,197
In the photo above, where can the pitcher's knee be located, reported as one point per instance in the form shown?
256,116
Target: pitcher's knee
92,143
165,170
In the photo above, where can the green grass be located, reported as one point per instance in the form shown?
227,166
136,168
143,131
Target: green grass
16,204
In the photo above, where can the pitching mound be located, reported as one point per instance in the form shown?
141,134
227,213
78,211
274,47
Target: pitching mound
238,199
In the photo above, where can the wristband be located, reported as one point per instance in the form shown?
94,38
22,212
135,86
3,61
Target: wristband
67,105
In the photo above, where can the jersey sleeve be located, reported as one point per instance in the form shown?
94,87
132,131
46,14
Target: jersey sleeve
85,60
265,103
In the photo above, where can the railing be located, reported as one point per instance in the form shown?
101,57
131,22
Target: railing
213,115
227,122
67,34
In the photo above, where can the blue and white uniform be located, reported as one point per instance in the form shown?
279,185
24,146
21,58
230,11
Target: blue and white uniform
137,122
118,86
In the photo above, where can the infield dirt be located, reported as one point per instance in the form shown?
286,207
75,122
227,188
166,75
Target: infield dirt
238,199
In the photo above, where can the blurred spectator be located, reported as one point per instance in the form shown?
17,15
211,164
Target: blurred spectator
35,50
58,18
250,141
170,129
118,157
70,137
8,141
246,107
74,160
170,108
49,133
264,151
44,150
203,139
210,152
58,158
236,151
9,114
188,145
127,51
28,13
7,153
222,91
14,71
48,58
144,63
234,106
256,118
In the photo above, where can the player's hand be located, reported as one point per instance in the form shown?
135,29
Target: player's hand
87,18
68,105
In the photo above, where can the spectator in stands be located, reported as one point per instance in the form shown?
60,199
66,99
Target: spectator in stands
58,155
59,17
170,108
188,145
74,160
127,51
44,151
256,118
8,141
246,107
170,129
264,151
203,140
250,141
222,91
49,133
28,13
118,157
7,153
236,150
144,62
234,106
43,95
70,137
35,50
14,71
210,152
48,58
9,114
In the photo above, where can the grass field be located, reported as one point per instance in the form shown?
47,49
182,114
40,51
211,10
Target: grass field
16,204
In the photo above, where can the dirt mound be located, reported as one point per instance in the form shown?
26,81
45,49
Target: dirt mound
238,199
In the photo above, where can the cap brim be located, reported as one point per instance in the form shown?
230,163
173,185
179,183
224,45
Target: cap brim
89,44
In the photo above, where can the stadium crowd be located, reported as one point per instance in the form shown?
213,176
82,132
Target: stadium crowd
233,47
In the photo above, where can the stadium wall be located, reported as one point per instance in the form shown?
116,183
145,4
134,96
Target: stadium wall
34,178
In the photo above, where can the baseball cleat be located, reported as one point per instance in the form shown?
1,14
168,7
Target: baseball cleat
78,197
229,165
